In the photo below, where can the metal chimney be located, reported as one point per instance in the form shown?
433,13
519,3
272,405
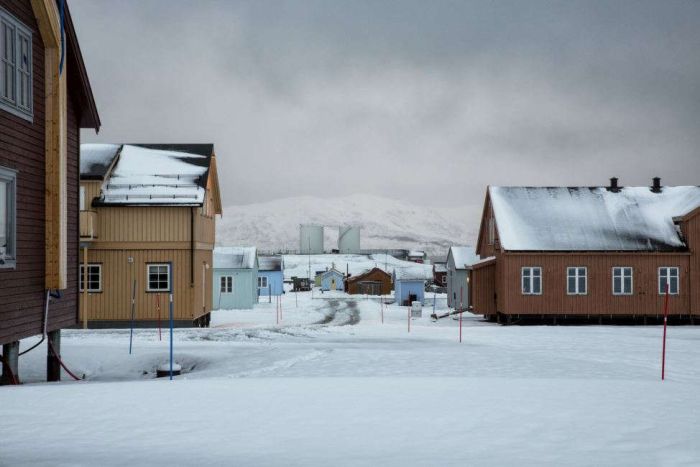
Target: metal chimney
656,185
613,185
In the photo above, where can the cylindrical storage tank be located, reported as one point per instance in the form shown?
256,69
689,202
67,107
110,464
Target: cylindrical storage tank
311,239
349,239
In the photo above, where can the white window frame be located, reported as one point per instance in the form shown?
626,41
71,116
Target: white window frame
148,277
577,275
668,276
82,279
262,282
8,252
82,198
530,276
226,285
19,33
619,272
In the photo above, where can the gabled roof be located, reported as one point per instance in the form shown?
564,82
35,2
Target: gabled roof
332,271
412,274
462,256
269,263
96,160
591,218
366,274
89,118
233,257
151,174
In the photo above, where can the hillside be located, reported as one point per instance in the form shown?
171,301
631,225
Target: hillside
386,223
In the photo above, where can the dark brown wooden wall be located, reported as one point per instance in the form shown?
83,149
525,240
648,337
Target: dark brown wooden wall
22,148
482,289
692,235
599,300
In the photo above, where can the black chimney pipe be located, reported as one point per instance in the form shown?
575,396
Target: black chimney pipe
656,185
613,185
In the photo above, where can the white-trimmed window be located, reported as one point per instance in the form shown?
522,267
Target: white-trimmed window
262,282
8,217
94,277
576,280
15,66
668,275
531,281
226,284
622,280
82,198
158,277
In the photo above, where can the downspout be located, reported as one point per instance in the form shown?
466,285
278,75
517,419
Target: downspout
192,247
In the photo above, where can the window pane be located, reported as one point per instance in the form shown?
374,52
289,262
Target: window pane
536,286
628,284
581,271
526,272
662,285
571,287
674,285
617,285
582,284
526,285
673,272
536,272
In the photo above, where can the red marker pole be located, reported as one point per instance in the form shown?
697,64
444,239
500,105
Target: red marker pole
663,351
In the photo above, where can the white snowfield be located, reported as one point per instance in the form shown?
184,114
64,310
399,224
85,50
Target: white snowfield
332,385
298,265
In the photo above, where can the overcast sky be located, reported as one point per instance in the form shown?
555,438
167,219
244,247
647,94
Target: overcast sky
423,101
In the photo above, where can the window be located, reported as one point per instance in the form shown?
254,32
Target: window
622,281
531,282
262,282
668,276
94,277
226,284
576,280
8,216
15,66
158,278
82,198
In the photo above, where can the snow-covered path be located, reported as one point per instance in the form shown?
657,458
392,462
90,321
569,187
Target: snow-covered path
333,385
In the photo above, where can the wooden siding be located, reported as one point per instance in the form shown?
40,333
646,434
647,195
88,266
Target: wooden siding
599,300
692,236
204,227
483,247
22,149
376,275
482,289
143,224
113,303
92,191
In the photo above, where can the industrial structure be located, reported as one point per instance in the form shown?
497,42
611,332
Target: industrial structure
311,239
349,239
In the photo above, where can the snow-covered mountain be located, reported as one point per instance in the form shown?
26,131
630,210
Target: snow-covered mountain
385,223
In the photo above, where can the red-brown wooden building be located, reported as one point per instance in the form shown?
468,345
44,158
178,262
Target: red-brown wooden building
372,282
588,254
44,101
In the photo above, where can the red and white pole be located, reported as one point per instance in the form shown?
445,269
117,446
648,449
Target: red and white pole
663,351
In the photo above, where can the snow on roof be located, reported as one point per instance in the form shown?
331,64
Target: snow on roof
590,219
440,267
152,176
235,257
412,274
95,159
416,253
463,256
332,271
269,263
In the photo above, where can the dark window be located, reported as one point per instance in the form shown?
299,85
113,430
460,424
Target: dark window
94,277
159,278
8,217
226,284
622,281
668,275
531,281
576,281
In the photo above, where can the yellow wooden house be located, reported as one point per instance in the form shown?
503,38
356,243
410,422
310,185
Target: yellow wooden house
147,229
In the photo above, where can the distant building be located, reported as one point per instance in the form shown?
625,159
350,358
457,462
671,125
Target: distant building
417,256
372,282
301,284
317,278
332,280
235,277
440,274
589,253
409,286
459,258
270,276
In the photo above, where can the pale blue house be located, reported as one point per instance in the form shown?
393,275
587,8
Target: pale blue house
332,280
409,286
235,278
270,276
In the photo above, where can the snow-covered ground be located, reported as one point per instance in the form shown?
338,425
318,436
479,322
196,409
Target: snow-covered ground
333,385
298,265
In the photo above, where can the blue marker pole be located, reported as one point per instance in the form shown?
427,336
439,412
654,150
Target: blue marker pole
171,322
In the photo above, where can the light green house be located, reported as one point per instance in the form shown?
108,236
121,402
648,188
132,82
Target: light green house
235,278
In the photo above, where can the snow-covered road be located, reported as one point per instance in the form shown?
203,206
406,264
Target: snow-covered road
332,385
